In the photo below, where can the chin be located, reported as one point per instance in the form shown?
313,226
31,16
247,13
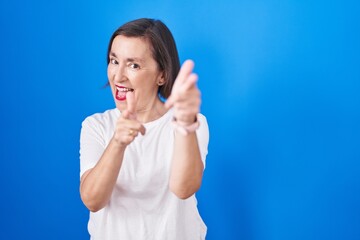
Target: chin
120,106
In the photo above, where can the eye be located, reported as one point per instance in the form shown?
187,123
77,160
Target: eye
113,61
134,65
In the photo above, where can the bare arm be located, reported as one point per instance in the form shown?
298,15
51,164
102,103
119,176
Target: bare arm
187,166
97,184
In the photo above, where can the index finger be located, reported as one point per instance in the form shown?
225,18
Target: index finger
131,102
185,70
190,81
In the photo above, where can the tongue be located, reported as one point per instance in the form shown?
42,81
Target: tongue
120,95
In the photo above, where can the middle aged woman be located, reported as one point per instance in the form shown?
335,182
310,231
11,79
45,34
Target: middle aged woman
142,162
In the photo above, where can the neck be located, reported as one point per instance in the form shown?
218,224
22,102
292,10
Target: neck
151,111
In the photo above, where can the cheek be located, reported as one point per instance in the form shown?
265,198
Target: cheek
110,79
109,72
134,75
112,71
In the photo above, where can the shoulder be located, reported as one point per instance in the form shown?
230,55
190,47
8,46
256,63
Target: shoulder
102,119
203,129
201,117
202,120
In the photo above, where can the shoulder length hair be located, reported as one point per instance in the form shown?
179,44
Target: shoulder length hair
163,47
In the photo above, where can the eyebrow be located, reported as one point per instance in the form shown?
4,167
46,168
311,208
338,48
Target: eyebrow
131,59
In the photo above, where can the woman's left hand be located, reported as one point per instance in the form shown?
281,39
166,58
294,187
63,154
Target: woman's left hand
185,96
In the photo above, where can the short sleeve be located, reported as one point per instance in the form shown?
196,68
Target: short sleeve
202,134
92,144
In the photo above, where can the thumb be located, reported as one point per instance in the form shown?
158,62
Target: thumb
169,102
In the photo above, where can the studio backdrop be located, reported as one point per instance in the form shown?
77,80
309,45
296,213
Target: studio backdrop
280,83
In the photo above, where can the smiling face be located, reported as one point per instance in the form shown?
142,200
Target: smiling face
133,68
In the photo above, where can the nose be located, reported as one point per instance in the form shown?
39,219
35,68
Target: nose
120,74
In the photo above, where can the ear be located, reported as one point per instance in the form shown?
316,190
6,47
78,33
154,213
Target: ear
161,80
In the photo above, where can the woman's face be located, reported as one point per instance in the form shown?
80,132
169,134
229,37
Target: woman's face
132,68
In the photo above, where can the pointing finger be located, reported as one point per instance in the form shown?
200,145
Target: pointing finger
131,102
190,81
126,114
185,70
186,85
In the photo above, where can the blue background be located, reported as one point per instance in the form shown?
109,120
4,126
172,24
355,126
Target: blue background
280,82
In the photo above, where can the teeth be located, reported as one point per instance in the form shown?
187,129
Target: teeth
123,89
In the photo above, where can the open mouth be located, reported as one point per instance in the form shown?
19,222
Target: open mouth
121,91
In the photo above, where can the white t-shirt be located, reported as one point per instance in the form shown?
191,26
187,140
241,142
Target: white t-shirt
141,205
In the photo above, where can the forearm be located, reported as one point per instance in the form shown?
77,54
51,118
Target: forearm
187,167
97,183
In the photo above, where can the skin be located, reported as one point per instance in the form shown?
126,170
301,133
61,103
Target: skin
132,66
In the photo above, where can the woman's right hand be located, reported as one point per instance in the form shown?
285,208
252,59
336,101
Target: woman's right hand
127,126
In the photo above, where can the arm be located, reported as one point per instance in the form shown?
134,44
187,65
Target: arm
187,166
97,183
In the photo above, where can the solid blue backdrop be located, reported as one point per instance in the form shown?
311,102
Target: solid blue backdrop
280,82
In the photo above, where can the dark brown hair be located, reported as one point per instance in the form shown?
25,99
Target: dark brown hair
163,47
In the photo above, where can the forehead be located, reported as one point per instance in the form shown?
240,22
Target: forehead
131,47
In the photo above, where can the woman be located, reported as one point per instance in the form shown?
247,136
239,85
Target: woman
142,162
